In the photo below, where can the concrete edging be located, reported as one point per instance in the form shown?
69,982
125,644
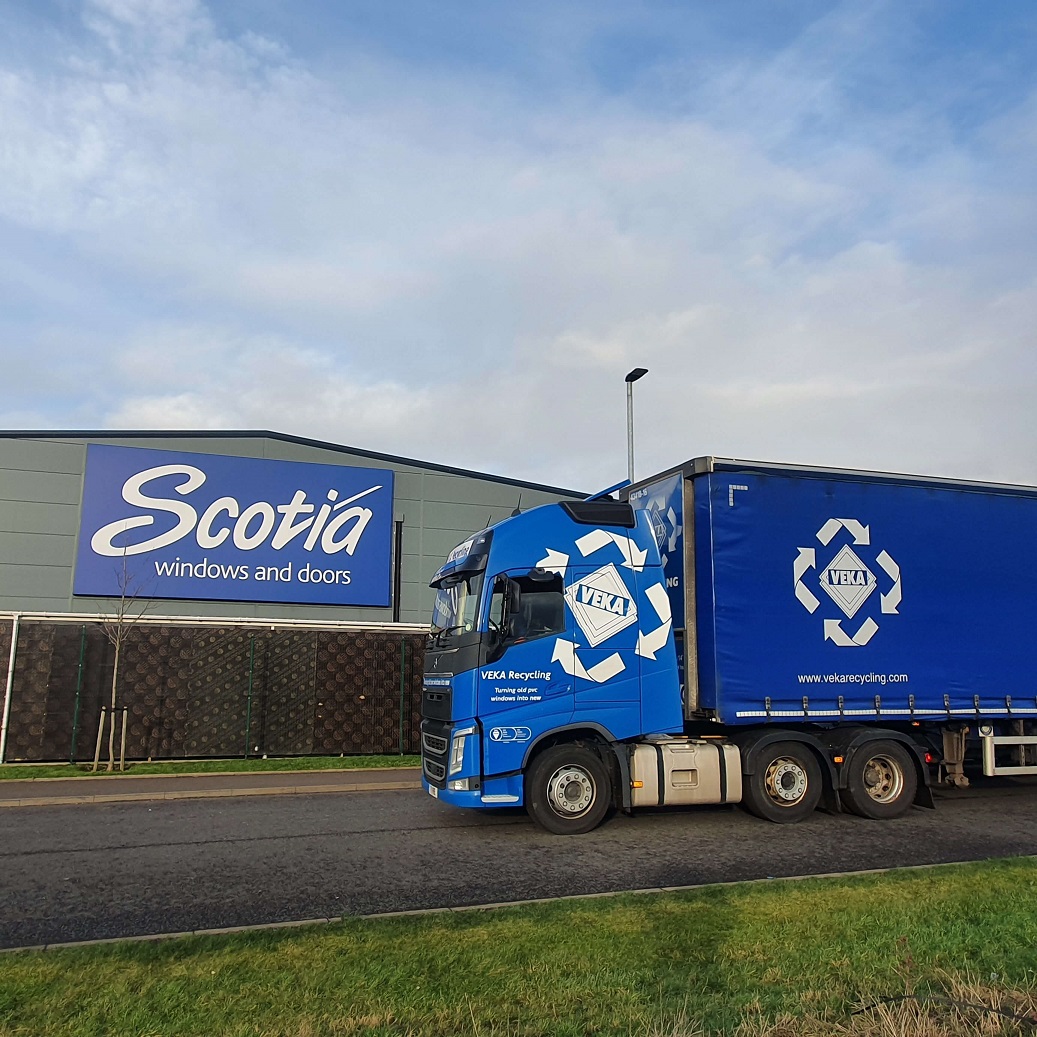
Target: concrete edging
273,790
468,908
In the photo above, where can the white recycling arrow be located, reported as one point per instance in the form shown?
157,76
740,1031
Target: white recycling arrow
861,534
650,643
660,600
633,557
608,668
593,541
671,543
596,539
555,562
807,559
565,653
891,600
835,633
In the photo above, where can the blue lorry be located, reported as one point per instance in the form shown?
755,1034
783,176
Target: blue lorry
727,631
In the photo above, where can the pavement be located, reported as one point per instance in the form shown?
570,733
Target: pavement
111,788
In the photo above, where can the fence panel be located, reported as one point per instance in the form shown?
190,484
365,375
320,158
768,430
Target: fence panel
212,691
218,692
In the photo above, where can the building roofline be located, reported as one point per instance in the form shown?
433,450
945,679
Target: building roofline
282,437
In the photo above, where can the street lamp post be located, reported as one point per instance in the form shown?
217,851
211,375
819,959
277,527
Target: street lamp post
638,372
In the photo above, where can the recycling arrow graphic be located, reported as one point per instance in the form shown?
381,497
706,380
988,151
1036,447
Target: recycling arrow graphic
650,643
834,632
847,580
633,558
807,560
861,534
554,562
565,653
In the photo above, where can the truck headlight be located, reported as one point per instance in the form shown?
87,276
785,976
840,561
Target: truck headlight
457,749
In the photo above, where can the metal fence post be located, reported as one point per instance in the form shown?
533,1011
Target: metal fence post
79,689
248,704
5,722
403,683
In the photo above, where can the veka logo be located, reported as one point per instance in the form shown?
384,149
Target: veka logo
601,604
658,526
847,581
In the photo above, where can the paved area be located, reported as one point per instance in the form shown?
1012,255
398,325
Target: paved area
122,789
112,870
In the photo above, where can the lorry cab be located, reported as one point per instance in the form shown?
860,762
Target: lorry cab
575,649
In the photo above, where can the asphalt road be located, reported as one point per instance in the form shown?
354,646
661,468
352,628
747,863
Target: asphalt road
98,871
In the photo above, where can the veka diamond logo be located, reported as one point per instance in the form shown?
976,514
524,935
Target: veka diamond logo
847,581
601,604
658,526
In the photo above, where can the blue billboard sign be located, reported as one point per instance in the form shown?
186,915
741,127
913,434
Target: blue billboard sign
164,524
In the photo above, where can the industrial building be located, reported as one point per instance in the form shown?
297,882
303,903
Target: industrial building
268,592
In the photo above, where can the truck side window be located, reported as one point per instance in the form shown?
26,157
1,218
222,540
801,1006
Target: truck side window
496,614
525,607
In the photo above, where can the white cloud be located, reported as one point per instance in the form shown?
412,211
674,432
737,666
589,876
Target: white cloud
436,265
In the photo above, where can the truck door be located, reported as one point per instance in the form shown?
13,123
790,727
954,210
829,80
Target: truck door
523,691
603,601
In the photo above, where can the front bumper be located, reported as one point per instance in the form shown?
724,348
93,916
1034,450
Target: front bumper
498,792
451,767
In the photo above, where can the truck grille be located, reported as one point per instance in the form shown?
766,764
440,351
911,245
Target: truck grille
433,743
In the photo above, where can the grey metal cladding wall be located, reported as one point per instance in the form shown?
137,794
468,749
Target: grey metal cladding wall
41,482
40,489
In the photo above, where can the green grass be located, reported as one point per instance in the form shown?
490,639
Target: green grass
637,965
300,763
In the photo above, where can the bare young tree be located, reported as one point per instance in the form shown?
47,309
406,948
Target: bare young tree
117,625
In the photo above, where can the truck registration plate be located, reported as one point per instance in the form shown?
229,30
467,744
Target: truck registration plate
433,791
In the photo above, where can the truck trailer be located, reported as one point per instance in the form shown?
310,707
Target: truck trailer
784,637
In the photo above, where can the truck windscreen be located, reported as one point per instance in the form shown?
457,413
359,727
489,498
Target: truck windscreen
457,605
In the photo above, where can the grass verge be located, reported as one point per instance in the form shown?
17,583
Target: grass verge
780,959
297,763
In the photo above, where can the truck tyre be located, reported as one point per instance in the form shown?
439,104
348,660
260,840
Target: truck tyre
881,781
785,786
568,791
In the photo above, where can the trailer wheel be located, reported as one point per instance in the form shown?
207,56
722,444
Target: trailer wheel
881,781
568,791
785,786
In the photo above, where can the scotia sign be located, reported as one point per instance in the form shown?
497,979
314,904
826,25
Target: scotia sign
165,524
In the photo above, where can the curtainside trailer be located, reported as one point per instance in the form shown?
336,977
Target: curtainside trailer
780,636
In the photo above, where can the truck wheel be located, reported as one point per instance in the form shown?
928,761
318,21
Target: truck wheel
786,784
568,791
881,781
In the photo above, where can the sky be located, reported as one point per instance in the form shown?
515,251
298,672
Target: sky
447,230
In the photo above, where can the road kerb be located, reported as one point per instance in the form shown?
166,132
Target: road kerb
468,908
137,797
